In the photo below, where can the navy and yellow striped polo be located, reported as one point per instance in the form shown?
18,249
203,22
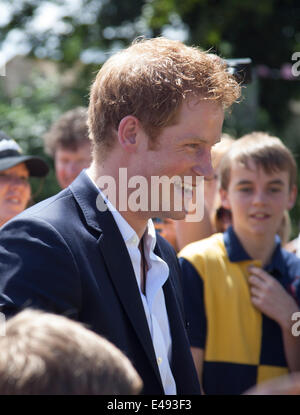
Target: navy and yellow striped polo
242,346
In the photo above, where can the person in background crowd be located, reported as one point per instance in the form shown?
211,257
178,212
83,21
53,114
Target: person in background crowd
167,229
47,354
283,385
68,143
294,246
216,217
15,170
285,229
241,288
298,246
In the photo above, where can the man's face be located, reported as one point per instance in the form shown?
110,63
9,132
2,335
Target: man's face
184,149
257,200
69,163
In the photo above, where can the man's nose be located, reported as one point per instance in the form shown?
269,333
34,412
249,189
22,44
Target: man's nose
204,166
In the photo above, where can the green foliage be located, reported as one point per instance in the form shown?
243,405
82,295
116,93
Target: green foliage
27,115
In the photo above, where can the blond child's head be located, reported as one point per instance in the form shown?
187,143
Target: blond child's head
258,183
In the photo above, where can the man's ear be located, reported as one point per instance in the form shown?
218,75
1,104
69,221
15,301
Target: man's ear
292,197
224,198
127,133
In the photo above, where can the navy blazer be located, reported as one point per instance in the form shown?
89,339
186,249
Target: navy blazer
65,256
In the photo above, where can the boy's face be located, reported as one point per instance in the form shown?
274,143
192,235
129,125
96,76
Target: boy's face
257,200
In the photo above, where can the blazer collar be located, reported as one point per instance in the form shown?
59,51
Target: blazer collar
87,196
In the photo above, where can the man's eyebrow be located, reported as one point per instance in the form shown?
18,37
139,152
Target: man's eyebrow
197,139
203,140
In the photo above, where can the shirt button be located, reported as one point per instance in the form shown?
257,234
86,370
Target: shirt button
159,360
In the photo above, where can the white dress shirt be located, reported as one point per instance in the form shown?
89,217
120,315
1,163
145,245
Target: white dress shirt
153,299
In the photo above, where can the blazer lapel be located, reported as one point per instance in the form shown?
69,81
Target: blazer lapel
122,274
118,262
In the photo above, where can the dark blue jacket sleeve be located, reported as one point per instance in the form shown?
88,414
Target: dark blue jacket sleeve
37,269
193,297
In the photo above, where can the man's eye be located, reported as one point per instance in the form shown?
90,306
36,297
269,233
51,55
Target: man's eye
275,189
193,145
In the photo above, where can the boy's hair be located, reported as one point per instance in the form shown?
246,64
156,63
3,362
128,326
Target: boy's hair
265,151
149,80
70,131
47,354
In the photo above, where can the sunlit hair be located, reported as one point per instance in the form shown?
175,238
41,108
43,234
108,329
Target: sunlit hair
70,131
220,149
48,354
150,80
285,228
219,216
265,151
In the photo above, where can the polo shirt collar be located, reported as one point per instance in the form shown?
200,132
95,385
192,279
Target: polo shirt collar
237,253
